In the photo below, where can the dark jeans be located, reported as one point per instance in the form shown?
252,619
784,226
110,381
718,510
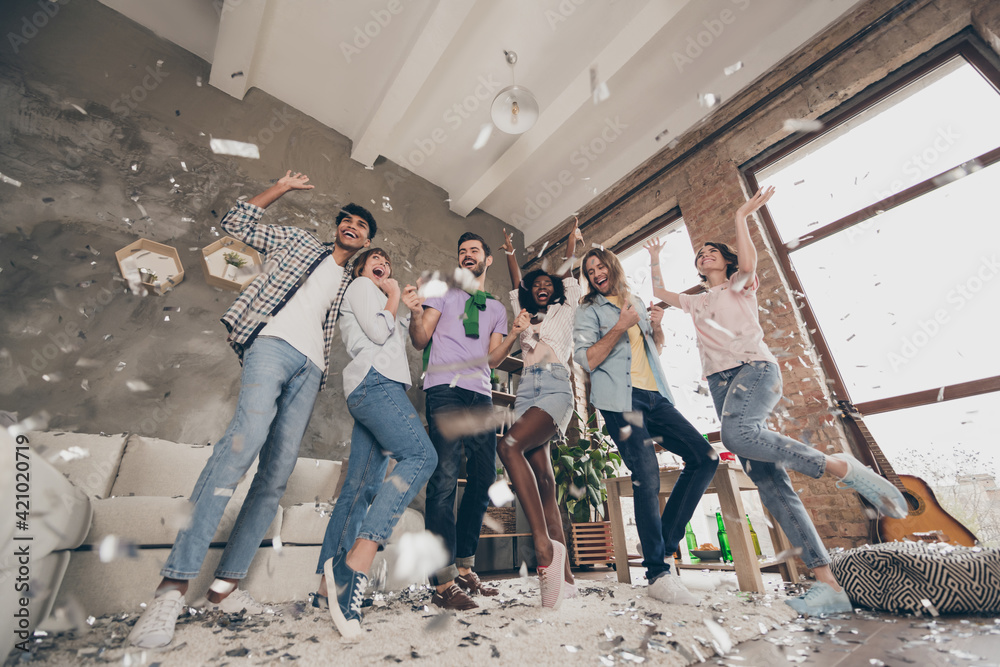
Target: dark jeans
461,534
660,535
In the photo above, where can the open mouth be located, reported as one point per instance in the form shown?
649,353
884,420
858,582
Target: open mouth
378,272
350,234
469,263
542,295
600,281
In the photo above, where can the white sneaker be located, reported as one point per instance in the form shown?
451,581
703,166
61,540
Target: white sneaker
668,588
234,603
155,627
552,579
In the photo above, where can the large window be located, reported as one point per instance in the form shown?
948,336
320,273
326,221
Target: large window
886,221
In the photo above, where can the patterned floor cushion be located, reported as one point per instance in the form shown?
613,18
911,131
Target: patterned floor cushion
899,577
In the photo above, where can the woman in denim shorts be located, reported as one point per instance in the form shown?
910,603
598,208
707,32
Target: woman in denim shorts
542,410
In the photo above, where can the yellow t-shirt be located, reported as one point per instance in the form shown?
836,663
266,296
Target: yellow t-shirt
642,374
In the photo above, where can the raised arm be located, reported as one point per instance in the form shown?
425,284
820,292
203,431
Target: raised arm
744,244
656,321
284,184
423,321
574,236
653,247
512,267
500,345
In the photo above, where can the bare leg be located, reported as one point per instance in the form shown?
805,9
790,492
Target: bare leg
172,585
540,460
528,433
825,574
836,467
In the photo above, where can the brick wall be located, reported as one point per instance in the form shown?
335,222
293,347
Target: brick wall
701,176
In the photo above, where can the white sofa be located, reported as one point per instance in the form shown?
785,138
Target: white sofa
138,489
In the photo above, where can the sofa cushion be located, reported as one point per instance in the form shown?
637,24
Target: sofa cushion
305,523
312,479
151,521
94,473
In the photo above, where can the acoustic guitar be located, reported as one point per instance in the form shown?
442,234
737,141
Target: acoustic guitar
926,520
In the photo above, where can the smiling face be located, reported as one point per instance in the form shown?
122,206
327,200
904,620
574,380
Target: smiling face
352,233
541,291
472,257
708,259
377,268
598,275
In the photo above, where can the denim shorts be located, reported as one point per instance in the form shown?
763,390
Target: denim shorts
546,386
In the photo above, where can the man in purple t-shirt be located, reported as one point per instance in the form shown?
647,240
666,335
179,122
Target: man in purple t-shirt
465,331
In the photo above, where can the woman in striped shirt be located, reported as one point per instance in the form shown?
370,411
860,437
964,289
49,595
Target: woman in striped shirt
543,408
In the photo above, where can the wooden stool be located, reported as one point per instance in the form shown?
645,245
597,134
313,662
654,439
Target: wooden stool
729,480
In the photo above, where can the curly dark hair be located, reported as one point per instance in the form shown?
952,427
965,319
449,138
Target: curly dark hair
527,301
361,212
728,254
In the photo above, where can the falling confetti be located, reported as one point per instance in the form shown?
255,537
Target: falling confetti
236,148
485,132
734,68
10,181
500,493
802,125
709,100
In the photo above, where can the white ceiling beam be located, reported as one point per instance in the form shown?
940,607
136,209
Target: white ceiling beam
622,48
441,28
239,32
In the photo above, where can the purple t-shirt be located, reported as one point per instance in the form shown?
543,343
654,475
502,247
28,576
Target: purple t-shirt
451,348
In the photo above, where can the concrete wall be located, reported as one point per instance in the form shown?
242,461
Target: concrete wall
72,336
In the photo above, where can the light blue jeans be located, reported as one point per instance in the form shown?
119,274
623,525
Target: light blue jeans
744,398
277,393
385,425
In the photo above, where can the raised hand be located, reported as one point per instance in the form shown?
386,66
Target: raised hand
753,204
412,300
521,322
508,242
628,317
296,181
653,247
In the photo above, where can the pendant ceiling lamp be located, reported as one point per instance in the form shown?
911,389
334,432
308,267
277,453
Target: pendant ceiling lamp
514,109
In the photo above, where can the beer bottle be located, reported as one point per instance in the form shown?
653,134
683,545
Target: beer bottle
753,536
727,553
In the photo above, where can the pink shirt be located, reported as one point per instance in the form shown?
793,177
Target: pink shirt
729,333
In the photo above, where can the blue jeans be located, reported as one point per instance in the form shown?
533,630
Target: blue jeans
660,534
461,534
369,505
277,393
744,397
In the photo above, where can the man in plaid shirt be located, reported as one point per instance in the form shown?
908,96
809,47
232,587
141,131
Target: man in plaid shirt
281,326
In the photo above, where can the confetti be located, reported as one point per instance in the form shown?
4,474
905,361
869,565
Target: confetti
709,100
10,181
112,548
598,89
802,125
734,68
233,147
500,493
420,555
485,132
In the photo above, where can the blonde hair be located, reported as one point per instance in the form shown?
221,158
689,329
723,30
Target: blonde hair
616,275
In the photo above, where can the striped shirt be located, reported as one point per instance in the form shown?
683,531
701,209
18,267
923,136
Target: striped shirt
290,256
556,329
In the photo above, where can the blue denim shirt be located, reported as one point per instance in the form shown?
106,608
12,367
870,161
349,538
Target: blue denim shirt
611,381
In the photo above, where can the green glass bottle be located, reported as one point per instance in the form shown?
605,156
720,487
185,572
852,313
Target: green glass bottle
727,553
692,541
753,536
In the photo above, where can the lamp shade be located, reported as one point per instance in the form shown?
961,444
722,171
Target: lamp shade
514,110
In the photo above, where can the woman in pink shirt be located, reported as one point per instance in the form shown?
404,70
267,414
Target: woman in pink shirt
542,410
745,383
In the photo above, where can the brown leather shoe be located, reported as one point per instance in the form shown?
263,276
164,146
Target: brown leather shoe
472,583
455,598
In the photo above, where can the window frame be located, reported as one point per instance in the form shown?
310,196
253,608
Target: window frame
965,45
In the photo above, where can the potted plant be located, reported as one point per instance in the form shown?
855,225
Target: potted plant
234,261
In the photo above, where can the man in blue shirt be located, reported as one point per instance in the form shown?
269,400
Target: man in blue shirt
618,344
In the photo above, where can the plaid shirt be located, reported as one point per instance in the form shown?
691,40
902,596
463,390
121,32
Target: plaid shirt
290,256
